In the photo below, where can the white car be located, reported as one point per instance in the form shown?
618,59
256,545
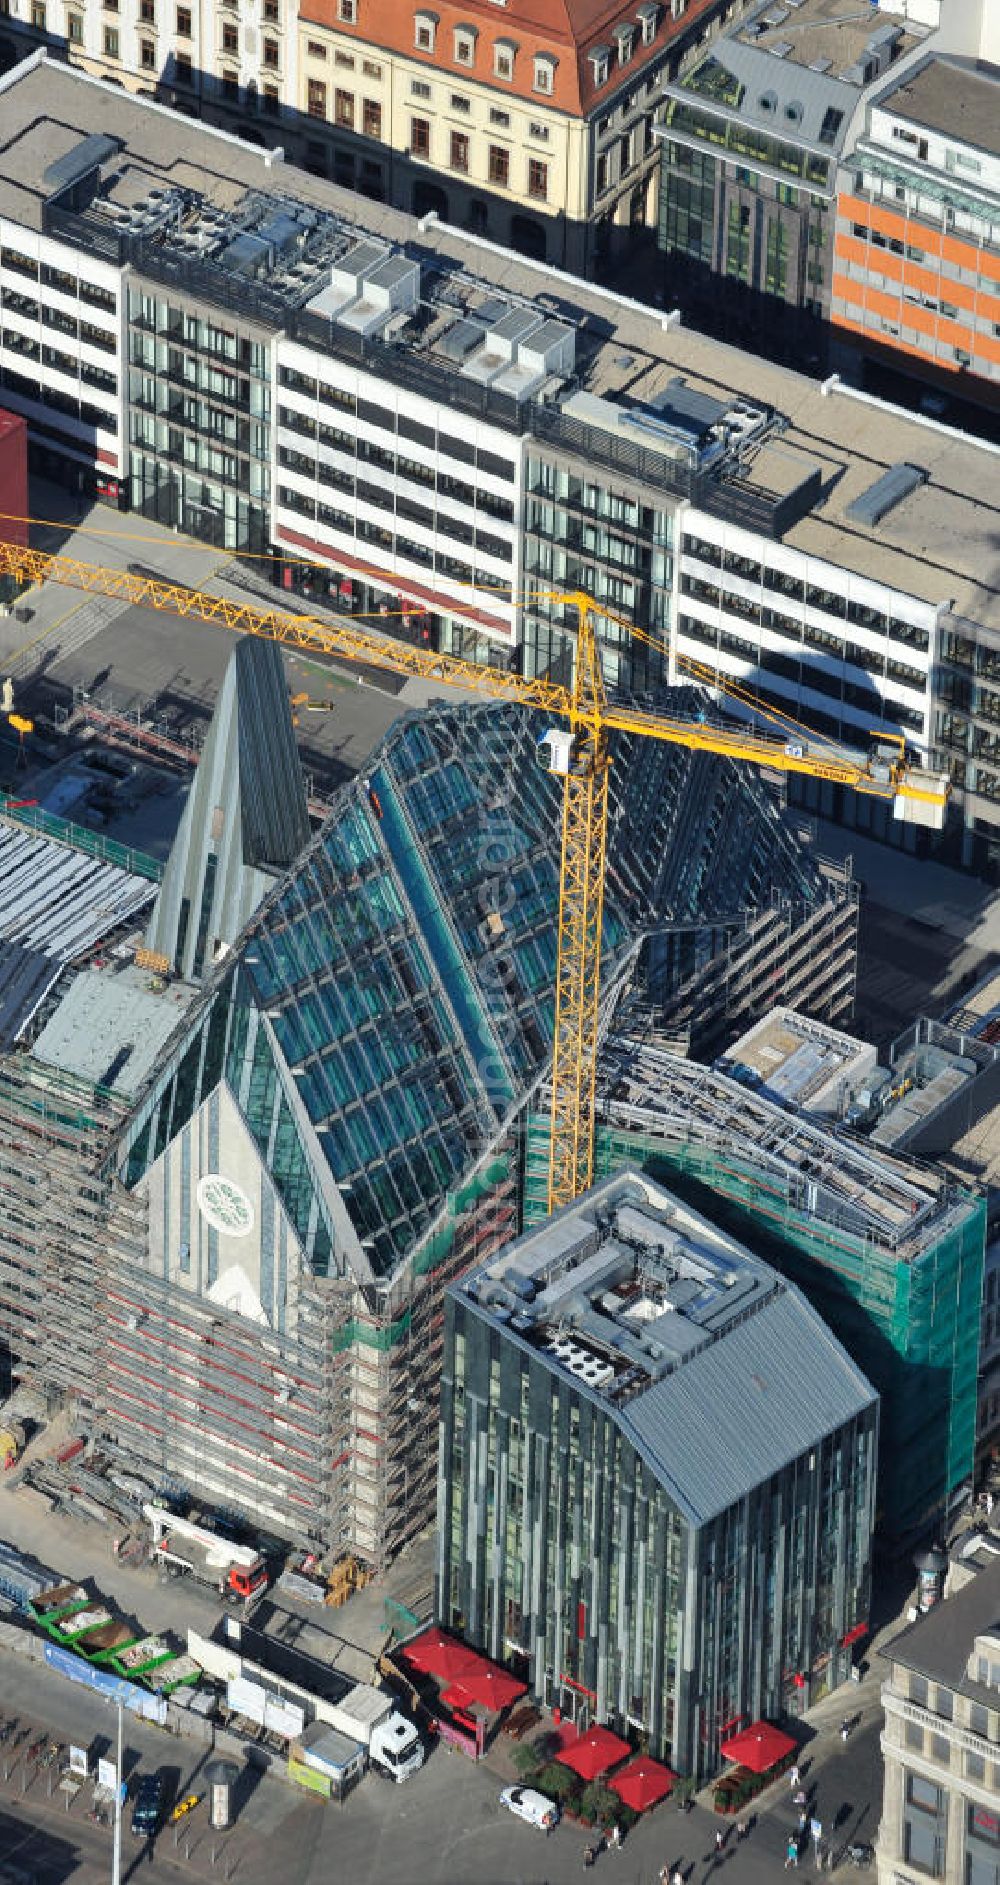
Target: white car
531,1806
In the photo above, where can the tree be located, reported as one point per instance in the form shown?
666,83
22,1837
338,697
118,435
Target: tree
562,1784
526,1762
598,1803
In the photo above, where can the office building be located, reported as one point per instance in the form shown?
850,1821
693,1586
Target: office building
751,137
941,1742
917,250
444,430
642,1502
889,1251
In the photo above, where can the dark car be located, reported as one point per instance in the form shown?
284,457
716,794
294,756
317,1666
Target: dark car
148,1809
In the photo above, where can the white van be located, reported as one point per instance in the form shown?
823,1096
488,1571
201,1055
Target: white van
531,1806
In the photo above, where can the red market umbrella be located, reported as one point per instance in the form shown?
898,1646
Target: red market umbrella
594,1752
491,1687
642,1783
758,1747
435,1654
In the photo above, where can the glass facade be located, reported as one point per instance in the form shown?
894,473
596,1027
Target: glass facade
584,532
199,422
395,995
562,1552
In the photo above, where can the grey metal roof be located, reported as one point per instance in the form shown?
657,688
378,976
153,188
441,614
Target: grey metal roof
110,1028
939,1645
56,904
789,84
744,1407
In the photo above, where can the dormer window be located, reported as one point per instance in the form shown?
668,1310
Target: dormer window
624,40
649,19
545,73
425,27
600,59
465,45
504,51
347,12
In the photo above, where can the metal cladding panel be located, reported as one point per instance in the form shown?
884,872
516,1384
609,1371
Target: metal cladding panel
14,478
747,1406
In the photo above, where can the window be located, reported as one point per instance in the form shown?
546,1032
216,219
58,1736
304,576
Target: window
419,89
538,180
347,11
458,103
343,109
316,98
503,59
184,22
425,31
316,49
230,39
460,152
600,59
649,20
625,41
371,118
74,28
539,131
345,60
147,55
272,100
500,119
147,12
182,68
465,45
499,165
271,54
272,12
38,20
371,70
545,67
420,137
110,37
231,87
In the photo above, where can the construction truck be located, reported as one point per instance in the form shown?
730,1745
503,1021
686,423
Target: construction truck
237,1572
391,1740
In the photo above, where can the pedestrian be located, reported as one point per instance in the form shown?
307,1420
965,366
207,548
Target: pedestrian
845,1728
616,1836
720,1840
793,1775
677,1877
802,1823
792,1857
741,1831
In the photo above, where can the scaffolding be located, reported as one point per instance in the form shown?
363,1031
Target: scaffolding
54,1131
890,1252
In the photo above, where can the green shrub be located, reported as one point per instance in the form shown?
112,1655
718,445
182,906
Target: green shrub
561,1784
526,1762
598,1803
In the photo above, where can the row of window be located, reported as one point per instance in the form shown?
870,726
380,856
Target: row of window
44,394
345,114
498,167
803,673
30,349
387,542
450,447
14,262
797,589
60,322
382,497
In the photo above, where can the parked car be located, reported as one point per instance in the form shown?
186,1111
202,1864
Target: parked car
534,1807
148,1809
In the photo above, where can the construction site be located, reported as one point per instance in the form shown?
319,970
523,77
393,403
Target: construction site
291,1101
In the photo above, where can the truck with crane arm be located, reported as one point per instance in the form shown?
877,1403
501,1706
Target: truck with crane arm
184,1549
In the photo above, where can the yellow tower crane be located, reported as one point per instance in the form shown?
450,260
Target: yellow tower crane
576,748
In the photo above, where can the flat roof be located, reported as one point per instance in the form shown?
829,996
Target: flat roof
959,97
938,544
811,32
796,1060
